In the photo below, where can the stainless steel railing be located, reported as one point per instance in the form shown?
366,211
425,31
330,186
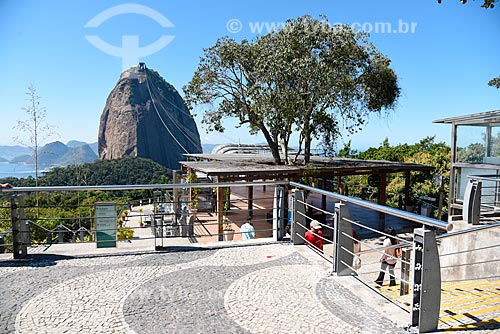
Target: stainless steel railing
206,224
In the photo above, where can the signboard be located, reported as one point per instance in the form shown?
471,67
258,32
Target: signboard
105,224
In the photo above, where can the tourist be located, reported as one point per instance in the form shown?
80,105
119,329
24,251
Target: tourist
314,237
388,258
247,230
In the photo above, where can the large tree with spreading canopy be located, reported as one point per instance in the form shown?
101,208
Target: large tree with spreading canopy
310,77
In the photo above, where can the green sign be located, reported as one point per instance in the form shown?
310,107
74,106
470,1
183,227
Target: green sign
105,223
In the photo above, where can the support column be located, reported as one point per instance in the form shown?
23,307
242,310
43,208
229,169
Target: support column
175,205
323,197
279,213
407,189
382,192
342,259
250,200
20,228
220,206
298,217
426,282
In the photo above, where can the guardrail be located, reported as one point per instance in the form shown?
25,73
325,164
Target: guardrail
352,237
349,218
168,212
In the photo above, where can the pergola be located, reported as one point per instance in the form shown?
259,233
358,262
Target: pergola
249,167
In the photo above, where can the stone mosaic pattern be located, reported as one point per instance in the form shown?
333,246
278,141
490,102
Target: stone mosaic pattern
255,289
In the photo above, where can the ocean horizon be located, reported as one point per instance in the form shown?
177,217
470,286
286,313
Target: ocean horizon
17,170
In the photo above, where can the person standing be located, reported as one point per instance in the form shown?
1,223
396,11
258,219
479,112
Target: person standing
314,237
388,258
247,230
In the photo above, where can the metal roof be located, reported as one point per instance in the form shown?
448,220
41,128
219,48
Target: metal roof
262,165
483,118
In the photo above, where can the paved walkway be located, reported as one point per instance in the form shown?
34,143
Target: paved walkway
244,288
276,288
225,287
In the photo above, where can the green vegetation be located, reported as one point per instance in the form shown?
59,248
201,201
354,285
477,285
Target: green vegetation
425,152
76,209
309,77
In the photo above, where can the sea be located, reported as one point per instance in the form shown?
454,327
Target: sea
17,170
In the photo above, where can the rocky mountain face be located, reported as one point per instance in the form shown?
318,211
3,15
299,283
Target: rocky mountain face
145,116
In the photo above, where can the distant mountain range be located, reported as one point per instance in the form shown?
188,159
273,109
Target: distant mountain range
56,153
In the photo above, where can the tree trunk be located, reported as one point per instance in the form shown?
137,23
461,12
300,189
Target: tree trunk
273,145
307,147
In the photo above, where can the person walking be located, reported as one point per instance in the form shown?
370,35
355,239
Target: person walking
388,258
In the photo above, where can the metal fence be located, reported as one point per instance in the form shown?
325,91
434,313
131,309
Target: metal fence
169,212
353,232
434,266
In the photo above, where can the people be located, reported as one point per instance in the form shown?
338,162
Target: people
247,230
6,185
388,258
314,237
356,261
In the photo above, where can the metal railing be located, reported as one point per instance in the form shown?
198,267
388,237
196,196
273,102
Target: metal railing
432,254
418,272
368,219
65,223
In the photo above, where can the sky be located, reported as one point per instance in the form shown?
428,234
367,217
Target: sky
73,53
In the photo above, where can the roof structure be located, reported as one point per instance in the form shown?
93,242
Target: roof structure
491,118
261,166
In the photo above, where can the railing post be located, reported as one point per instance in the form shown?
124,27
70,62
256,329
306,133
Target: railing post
298,217
278,213
60,234
20,249
426,281
25,228
2,244
404,288
343,245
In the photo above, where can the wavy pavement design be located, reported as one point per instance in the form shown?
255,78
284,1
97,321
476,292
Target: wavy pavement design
258,310
93,303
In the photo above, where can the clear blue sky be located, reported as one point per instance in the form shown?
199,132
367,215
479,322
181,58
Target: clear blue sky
443,65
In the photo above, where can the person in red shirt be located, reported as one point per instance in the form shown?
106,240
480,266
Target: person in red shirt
314,237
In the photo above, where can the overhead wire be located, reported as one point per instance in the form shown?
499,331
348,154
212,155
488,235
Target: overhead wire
161,119
190,135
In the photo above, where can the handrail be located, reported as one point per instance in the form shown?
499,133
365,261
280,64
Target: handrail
9,231
378,207
470,230
142,186
486,177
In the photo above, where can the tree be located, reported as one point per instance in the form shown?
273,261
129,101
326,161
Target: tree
35,126
486,3
227,77
495,82
309,77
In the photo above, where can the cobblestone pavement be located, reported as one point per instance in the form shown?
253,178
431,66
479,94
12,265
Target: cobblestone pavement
253,289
